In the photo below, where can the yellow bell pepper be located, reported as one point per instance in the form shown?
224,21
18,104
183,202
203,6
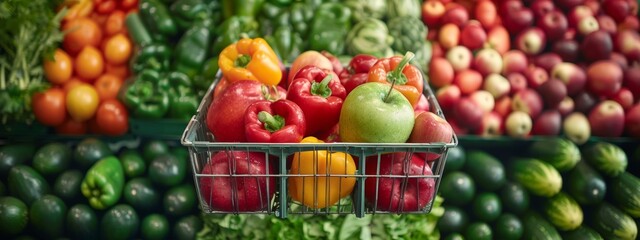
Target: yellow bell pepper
321,191
76,8
250,59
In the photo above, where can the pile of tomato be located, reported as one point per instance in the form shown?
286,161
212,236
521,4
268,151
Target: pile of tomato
86,73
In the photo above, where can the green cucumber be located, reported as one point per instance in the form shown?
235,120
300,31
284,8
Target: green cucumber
13,155
26,184
625,190
132,163
455,159
90,151
585,185
67,185
607,158
82,222
119,222
453,220
141,195
561,153
486,207
187,227
487,171
514,198
155,226
508,227
52,159
536,227
563,212
613,223
540,178
582,233
478,231
14,216
457,188
180,200
47,215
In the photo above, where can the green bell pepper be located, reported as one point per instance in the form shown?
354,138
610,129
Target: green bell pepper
187,12
296,15
103,183
183,102
232,30
155,56
242,8
147,96
331,24
157,18
191,51
286,43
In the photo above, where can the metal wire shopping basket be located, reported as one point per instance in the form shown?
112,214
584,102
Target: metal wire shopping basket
258,177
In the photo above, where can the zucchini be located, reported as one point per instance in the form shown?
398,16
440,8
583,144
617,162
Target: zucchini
582,233
486,170
563,212
585,185
625,190
561,153
536,227
538,177
612,223
607,158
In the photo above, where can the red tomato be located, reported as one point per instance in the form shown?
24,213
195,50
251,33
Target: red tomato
121,71
128,4
112,118
114,23
83,32
72,127
106,7
49,107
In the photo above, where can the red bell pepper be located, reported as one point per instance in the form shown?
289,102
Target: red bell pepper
357,72
320,95
281,121
398,72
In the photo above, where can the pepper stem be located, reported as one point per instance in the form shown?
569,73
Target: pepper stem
396,75
242,61
272,123
322,88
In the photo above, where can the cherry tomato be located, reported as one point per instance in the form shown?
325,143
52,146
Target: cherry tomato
73,82
106,7
108,86
72,127
121,71
58,70
82,102
100,19
49,107
112,118
114,23
82,32
117,49
89,64
128,4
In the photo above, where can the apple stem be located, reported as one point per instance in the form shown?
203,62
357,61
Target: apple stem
396,74
271,123
322,88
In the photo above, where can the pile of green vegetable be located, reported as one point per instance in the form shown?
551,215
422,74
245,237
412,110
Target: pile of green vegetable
555,190
87,190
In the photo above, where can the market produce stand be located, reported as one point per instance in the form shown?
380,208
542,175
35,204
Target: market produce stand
118,119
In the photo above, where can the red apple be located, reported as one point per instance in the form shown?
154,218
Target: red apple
624,97
571,75
457,128
577,14
473,35
604,78
517,81
440,72
518,124
517,20
554,24
588,25
432,12
597,46
632,80
547,61
552,92
627,42
633,7
448,97
432,36
503,106
449,35
542,7
594,5
568,4
584,102
632,121
607,23
527,101
492,125
497,85
467,113
484,100
459,57
486,12
456,14
549,123
570,34
531,41
630,23
566,106
567,49
536,76
509,6
468,81
576,128
499,39
620,60
488,61
430,128
607,119
617,9
422,105
437,50
514,61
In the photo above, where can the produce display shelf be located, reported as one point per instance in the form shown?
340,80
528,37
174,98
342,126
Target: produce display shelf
163,129
202,147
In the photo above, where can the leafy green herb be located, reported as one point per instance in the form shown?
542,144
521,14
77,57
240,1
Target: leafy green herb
30,30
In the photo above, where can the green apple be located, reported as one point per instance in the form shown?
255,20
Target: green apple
369,115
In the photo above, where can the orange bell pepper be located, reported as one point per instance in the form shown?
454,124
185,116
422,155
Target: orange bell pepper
323,190
250,59
77,8
397,71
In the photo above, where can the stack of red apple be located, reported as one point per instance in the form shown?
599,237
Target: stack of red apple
537,67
